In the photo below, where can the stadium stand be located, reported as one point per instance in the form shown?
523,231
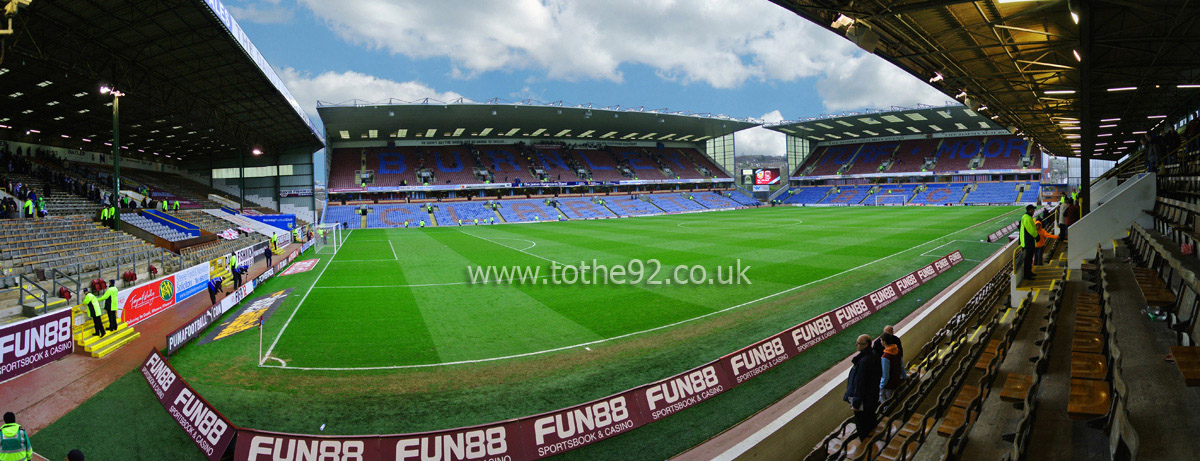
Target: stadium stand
72,244
1032,193
847,195
582,208
993,193
957,154
675,203
153,227
806,195
810,162
834,159
527,211
714,200
601,164
871,157
890,190
912,155
742,198
939,194
1004,152
449,214
630,206
396,215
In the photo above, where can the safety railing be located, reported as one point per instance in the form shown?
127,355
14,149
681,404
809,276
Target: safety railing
31,296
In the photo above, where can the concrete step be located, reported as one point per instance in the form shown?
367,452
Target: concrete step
104,351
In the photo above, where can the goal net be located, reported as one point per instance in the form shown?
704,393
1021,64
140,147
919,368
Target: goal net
329,238
890,200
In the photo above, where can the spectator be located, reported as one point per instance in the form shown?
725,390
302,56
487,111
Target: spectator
1070,216
75,455
14,442
1043,236
862,387
1028,240
879,345
891,367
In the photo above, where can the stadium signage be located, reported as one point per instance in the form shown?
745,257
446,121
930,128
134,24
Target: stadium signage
567,429
548,434
672,395
142,302
207,428
302,266
28,345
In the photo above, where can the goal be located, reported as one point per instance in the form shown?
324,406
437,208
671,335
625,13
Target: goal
329,238
890,200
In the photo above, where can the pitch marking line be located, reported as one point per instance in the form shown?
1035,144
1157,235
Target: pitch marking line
297,309
394,256
604,340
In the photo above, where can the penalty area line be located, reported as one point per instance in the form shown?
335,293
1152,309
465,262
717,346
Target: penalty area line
297,309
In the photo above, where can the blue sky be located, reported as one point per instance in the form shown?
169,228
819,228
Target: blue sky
741,58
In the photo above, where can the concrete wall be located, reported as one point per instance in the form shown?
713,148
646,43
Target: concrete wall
790,428
1112,219
1101,190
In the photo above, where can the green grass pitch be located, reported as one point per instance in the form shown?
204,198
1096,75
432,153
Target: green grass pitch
390,336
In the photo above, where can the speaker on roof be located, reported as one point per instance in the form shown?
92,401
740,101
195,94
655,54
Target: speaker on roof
863,37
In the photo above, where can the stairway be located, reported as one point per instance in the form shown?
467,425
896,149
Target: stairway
87,342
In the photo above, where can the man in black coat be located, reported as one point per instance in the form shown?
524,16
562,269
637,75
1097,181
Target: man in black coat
862,388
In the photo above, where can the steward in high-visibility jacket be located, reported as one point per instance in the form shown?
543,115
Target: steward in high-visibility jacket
274,241
92,304
175,205
1029,234
296,234
14,442
108,301
28,208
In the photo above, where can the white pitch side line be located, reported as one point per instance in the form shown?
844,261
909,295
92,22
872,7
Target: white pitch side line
297,309
598,341
394,256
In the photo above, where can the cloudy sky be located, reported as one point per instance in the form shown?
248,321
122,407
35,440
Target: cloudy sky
742,58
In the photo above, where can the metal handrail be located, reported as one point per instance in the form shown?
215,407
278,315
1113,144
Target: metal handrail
30,311
55,284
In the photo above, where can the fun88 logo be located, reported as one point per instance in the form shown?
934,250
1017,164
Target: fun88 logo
166,290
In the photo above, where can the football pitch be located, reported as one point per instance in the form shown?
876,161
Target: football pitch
390,336
396,298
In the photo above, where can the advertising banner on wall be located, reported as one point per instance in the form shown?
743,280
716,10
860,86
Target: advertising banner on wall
143,301
191,281
203,424
555,432
30,344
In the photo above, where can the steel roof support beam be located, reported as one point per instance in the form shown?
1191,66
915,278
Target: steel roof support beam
1086,120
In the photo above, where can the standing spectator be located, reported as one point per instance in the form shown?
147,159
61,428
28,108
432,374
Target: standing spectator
14,442
28,208
1043,237
1028,240
862,387
109,301
75,455
1154,148
1070,216
892,367
878,345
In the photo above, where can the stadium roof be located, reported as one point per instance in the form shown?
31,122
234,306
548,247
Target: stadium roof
922,120
1018,59
357,120
195,86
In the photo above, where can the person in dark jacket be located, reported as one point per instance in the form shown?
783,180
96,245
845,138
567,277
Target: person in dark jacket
862,387
892,367
1070,216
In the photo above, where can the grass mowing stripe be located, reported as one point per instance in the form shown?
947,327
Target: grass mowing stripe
310,287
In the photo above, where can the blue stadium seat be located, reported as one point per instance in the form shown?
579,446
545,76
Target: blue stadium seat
806,195
626,206
675,203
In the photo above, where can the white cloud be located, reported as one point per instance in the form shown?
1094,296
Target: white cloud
262,12
761,141
868,81
720,43
337,87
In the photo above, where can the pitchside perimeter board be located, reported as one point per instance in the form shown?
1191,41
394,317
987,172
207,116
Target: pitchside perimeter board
538,436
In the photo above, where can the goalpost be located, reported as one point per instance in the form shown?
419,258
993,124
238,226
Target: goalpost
890,200
329,238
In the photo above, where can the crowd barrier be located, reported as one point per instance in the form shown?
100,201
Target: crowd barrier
547,434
